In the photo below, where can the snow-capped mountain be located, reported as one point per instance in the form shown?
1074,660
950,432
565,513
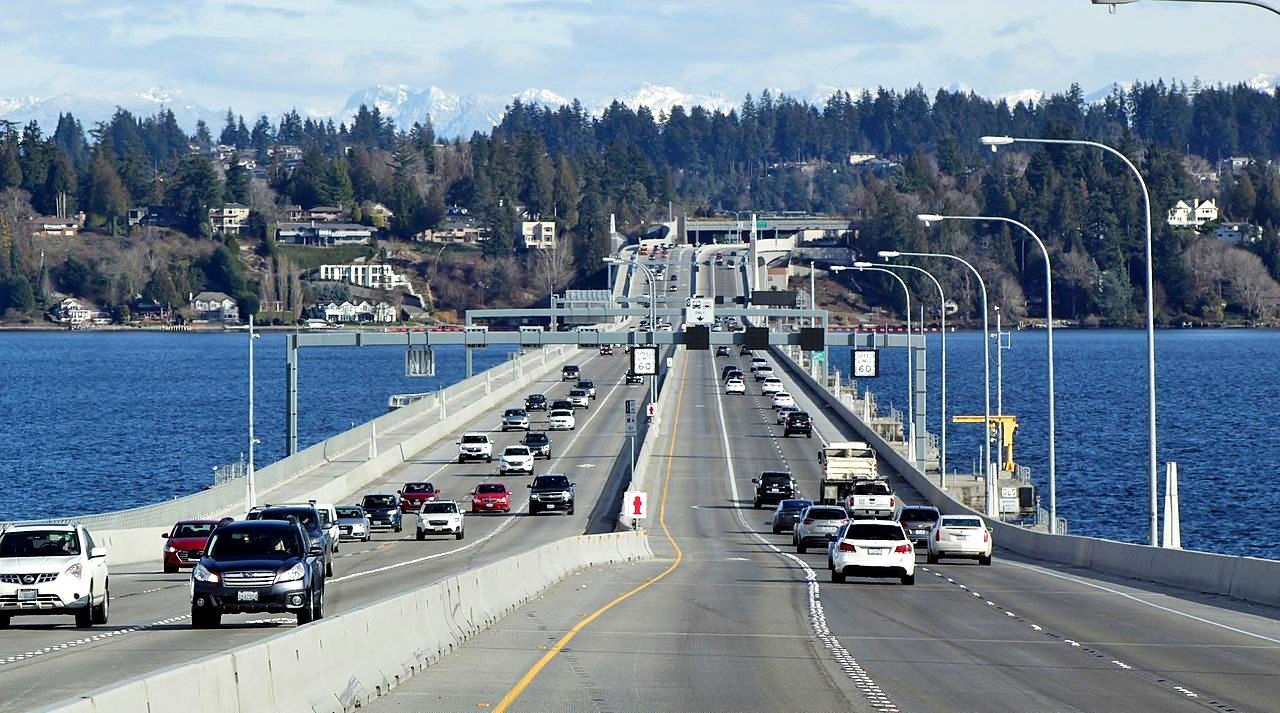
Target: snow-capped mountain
90,108
1024,96
1262,82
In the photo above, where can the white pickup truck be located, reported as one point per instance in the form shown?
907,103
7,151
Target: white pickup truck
872,499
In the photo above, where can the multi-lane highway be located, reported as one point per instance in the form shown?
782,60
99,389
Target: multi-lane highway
44,659
729,617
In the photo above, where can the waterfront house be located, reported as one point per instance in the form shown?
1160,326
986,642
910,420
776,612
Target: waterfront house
324,234
363,311
75,312
215,307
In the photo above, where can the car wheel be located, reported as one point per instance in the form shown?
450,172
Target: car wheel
985,561
810,435
837,576
756,505
931,558
305,616
170,569
84,617
461,459
4,621
569,511
205,618
399,528
318,598
776,531
328,569
488,459
458,536
422,535
103,610
908,579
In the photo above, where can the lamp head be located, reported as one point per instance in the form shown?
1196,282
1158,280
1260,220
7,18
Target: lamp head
995,142
929,218
889,254
839,268
863,265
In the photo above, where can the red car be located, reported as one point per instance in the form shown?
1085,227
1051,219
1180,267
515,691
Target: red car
184,544
606,350
491,497
413,495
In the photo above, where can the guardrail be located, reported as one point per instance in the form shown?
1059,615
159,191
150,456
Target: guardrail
344,662
1248,578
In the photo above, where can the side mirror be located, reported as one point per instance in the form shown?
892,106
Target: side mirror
530,485
97,552
165,535
754,480
316,550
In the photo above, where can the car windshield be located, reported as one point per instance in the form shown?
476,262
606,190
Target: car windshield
438,508
872,488
40,543
826,514
379,501
193,529
516,451
324,516
870,531
552,481
491,488
309,518
268,543
794,504
475,439
920,515
350,512
561,413
418,487
515,412
961,522
535,439
578,392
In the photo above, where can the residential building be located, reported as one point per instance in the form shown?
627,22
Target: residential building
230,219
363,311
1238,233
150,311
860,158
215,307
47,226
153,215
538,234
379,210
293,213
77,313
324,234
325,214
1234,165
287,154
456,231
1194,215
380,277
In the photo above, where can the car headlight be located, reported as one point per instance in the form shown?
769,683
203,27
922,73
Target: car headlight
75,570
201,574
170,548
292,574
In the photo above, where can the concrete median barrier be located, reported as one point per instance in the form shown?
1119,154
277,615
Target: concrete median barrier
1247,578
343,662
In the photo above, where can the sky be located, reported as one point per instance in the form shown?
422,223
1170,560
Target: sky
268,55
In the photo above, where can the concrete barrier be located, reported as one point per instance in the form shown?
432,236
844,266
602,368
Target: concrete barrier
341,663
1247,578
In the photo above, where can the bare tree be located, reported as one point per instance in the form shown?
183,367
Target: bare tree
296,295
1251,285
552,267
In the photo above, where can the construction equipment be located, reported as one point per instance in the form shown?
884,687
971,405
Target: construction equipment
1004,428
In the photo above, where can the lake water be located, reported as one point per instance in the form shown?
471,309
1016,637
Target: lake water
97,421
1217,399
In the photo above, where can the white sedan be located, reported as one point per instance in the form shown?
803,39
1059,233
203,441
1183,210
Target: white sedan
872,548
771,385
735,386
782,398
960,536
561,421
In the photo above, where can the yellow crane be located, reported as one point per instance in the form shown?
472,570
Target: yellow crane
1004,427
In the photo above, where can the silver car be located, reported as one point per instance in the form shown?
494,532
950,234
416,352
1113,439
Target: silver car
353,523
817,525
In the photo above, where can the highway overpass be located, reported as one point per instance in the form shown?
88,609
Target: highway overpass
726,616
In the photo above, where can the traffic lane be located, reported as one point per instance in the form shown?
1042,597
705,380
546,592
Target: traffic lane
385,568
930,647
1223,650
727,629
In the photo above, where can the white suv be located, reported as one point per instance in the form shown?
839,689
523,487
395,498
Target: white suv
440,517
475,445
516,459
872,548
53,569
328,519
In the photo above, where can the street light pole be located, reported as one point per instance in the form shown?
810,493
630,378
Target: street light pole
251,498
991,510
1048,311
1254,3
653,314
1152,475
911,394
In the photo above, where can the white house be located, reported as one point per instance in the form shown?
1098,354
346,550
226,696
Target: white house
380,277
230,219
215,307
1192,216
1238,233
539,234
324,234
362,312
75,313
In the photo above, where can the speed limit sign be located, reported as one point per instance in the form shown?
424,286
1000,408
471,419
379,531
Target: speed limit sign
866,363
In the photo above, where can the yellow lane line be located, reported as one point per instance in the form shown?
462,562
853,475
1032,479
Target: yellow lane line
525,680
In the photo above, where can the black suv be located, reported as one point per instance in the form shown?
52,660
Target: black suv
311,524
551,491
569,373
258,566
798,422
535,402
383,510
724,371
772,487
538,444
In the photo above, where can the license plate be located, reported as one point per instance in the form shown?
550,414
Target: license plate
876,550
961,537
246,596
27,595
551,506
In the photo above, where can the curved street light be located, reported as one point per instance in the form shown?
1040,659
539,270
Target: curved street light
942,311
1048,301
1152,476
1254,3
911,395
991,510
653,312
